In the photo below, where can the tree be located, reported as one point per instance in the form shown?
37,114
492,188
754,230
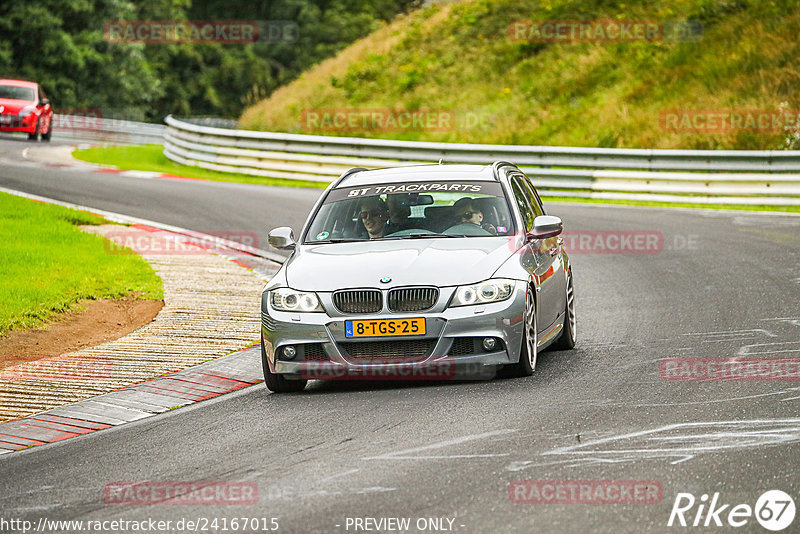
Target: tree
61,44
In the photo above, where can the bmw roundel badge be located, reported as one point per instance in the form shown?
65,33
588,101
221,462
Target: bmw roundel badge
385,280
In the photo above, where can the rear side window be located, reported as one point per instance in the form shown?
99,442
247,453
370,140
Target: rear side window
533,197
521,198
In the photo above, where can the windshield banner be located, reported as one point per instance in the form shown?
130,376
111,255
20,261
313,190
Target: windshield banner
466,188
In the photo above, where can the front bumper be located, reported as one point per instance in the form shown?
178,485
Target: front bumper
451,348
15,123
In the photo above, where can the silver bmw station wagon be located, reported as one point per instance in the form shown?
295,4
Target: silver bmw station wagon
427,272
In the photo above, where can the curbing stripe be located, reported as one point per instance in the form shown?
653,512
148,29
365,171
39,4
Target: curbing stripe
180,396
175,388
133,405
125,414
212,384
25,442
89,425
84,413
45,435
137,395
100,413
58,426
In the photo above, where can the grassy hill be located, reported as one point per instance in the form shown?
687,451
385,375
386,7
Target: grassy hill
459,58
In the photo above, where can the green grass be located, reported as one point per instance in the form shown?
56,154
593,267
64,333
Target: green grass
738,207
49,264
151,158
459,57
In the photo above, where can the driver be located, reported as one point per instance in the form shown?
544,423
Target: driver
466,211
374,214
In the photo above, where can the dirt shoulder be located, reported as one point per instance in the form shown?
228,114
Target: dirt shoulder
211,309
95,322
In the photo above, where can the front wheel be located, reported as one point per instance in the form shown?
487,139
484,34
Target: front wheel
530,340
46,136
35,135
277,383
568,335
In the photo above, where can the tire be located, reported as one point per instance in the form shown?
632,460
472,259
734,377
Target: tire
277,383
35,135
568,337
530,339
46,136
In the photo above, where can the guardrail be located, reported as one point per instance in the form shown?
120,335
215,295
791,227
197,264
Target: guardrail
700,176
94,128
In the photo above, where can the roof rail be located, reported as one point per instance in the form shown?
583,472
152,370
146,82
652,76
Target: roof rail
347,173
497,165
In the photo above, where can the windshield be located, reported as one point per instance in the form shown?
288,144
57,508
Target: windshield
414,210
15,92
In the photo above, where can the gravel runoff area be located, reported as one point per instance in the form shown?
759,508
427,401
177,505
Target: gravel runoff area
211,296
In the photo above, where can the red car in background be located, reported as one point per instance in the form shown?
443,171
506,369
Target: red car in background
25,108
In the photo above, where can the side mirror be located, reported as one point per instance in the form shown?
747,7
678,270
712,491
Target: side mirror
545,226
44,102
282,238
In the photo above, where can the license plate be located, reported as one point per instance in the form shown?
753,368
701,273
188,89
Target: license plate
5,120
385,327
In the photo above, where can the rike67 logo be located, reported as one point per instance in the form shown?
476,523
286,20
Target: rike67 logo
774,510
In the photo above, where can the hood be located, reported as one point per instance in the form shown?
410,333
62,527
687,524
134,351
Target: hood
13,107
437,262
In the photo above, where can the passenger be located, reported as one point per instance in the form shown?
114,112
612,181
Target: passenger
374,214
399,205
466,210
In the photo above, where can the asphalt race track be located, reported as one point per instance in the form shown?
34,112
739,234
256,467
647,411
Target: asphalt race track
718,285
214,207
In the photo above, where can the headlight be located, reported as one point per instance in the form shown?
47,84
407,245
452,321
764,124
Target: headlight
493,290
285,299
27,110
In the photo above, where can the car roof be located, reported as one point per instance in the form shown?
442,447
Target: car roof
420,173
19,83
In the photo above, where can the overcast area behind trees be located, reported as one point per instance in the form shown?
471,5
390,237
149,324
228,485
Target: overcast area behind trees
60,44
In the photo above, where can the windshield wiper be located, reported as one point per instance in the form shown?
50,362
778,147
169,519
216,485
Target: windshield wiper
334,240
428,236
